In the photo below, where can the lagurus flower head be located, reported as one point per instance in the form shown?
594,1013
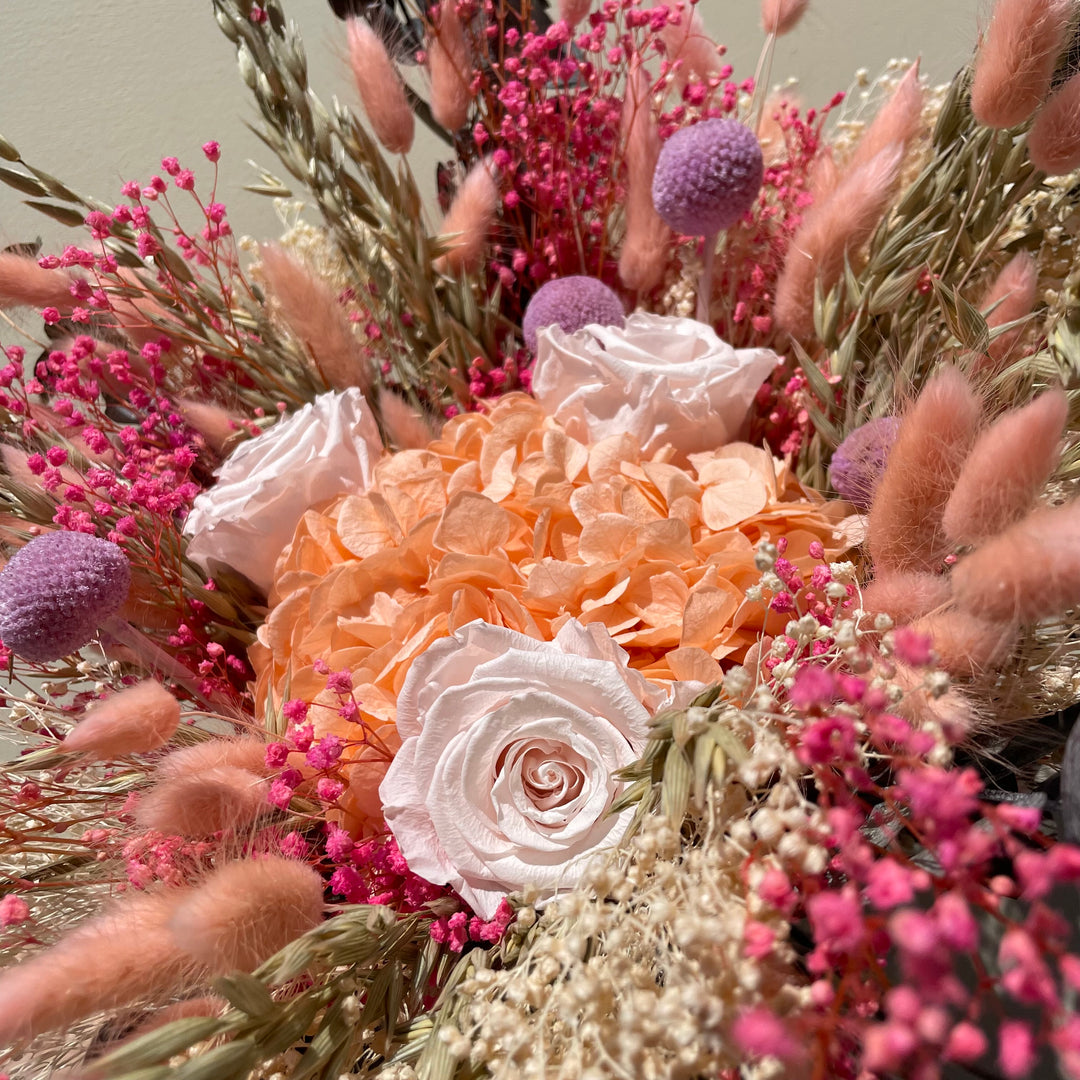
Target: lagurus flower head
57,590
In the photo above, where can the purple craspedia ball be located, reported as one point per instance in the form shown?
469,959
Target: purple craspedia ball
707,176
571,303
859,460
57,590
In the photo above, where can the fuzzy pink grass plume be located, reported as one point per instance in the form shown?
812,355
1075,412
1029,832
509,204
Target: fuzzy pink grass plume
1012,296
780,16
688,45
22,281
832,228
246,911
643,255
15,465
896,123
405,425
1006,470
469,220
905,531
1016,60
243,753
215,424
1031,571
771,132
952,711
573,11
450,68
222,798
1054,140
127,952
967,646
138,316
133,721
312,312
906,597
381,89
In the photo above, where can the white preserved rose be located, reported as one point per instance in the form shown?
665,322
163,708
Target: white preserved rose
510,747
325,449
663,380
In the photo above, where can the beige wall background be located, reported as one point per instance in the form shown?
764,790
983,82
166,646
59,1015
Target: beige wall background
98,91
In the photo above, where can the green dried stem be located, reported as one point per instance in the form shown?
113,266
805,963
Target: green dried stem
370,972
878,337
374,215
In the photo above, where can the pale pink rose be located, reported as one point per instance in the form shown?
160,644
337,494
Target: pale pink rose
509,752
663,380
326,449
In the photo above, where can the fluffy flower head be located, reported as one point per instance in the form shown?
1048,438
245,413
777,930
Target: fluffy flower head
507,766
57,591
708,176
571,303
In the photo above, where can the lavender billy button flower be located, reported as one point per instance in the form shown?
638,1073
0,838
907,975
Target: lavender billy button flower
571,303
860,460
57,591
707,176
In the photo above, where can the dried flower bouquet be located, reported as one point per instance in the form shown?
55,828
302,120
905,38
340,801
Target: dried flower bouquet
625,629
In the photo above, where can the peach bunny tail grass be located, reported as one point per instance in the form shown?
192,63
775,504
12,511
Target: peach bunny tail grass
897,122
953,711
906,597
242,753
904,530
573,11
246,911
218,799
1054,140
136,315
1029,572
126,953
1016,60
781,16
1006,470
22,281
967,646
643,256
450,69
1012,296
833,227
405,424
469,220
690,47
771,132
312,312
381,89
215,424
133,721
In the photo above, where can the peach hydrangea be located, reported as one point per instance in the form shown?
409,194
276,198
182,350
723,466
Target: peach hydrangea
507,519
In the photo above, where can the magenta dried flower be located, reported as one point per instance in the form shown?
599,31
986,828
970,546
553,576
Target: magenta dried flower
57,591
707,176
571,303
860,459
